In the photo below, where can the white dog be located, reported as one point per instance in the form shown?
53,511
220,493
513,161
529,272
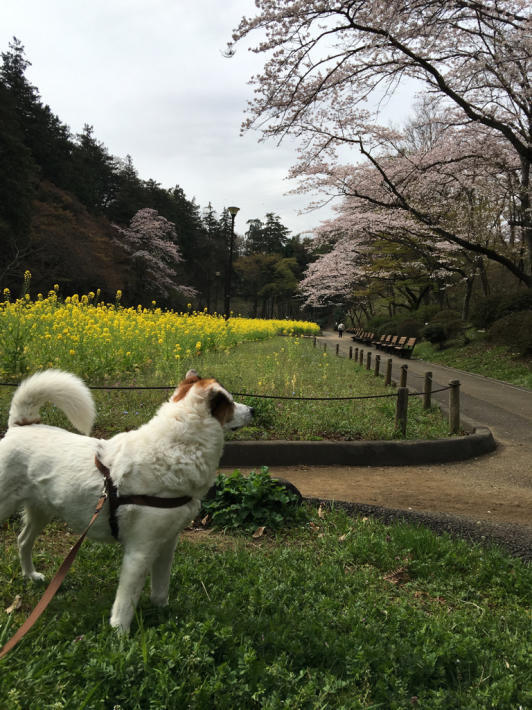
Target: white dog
53,473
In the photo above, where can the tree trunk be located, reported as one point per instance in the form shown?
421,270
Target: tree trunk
525,216
467,297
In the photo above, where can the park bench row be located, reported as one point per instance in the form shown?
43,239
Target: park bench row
395,344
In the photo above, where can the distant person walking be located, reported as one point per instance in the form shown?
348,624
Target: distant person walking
341,328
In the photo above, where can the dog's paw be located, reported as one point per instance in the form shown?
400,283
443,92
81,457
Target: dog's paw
159,601
120,627
36,577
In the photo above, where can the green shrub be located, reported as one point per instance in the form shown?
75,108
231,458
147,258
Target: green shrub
514,330
491,308
248,502
485,311
445,325
426,313
409,327
521,301
434,333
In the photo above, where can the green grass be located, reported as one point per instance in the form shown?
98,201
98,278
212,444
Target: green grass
286,366
481,357
341,613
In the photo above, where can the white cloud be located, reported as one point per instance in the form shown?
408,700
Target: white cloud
150,77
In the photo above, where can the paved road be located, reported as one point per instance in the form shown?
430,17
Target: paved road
505,409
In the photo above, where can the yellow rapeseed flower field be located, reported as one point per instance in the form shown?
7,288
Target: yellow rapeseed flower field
100,341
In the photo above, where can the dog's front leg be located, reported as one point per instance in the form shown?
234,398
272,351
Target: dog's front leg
135,566
160,573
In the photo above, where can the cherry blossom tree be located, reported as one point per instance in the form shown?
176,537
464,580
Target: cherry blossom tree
330,65
150,242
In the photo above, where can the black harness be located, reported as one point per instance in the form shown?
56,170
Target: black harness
115,500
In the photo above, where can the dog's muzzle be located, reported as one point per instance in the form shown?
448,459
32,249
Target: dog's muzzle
243,416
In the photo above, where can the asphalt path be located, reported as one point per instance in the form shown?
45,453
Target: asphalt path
506,409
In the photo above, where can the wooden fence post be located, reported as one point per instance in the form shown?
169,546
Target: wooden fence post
454,407
404,375
324,347
427,391
350,352
401,412
388,378
368,360
377,365
356,355
337,349
361,355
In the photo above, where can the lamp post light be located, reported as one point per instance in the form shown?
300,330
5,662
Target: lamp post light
227,290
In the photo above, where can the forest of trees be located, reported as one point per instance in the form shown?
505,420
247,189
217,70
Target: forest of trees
75,215
439,206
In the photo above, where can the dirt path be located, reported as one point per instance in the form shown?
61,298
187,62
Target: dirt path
494,489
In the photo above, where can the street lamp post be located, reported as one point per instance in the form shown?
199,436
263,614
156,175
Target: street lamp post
227,291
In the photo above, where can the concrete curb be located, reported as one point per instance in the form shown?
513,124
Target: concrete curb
358,453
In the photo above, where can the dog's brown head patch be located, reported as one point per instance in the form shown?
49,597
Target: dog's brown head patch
222,408
190,379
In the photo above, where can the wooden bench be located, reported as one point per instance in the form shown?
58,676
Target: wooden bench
396,350
390,344
384,341
406,349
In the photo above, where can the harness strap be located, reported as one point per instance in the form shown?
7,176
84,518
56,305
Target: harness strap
115,500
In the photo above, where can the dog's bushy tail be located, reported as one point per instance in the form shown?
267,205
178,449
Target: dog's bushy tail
63,389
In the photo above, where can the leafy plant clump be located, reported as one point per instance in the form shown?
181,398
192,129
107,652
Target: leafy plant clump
514,330
254,501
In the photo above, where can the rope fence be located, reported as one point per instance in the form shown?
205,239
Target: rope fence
402,395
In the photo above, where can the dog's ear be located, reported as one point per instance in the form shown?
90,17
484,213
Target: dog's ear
222,407
190,378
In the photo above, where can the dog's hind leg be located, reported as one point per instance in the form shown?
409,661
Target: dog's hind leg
34,522
160,573
135,567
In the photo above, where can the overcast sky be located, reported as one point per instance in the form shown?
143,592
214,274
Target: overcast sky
150,77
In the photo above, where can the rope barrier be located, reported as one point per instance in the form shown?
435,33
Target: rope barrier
249,394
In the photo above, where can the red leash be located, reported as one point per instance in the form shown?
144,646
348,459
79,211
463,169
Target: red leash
53,586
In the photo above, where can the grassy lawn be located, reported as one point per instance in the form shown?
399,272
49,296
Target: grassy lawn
339,613
483,358
286,366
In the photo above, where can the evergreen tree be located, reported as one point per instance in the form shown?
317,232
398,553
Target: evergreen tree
275,235
129,192
17,179
253,243
269,237
94,172
43,133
